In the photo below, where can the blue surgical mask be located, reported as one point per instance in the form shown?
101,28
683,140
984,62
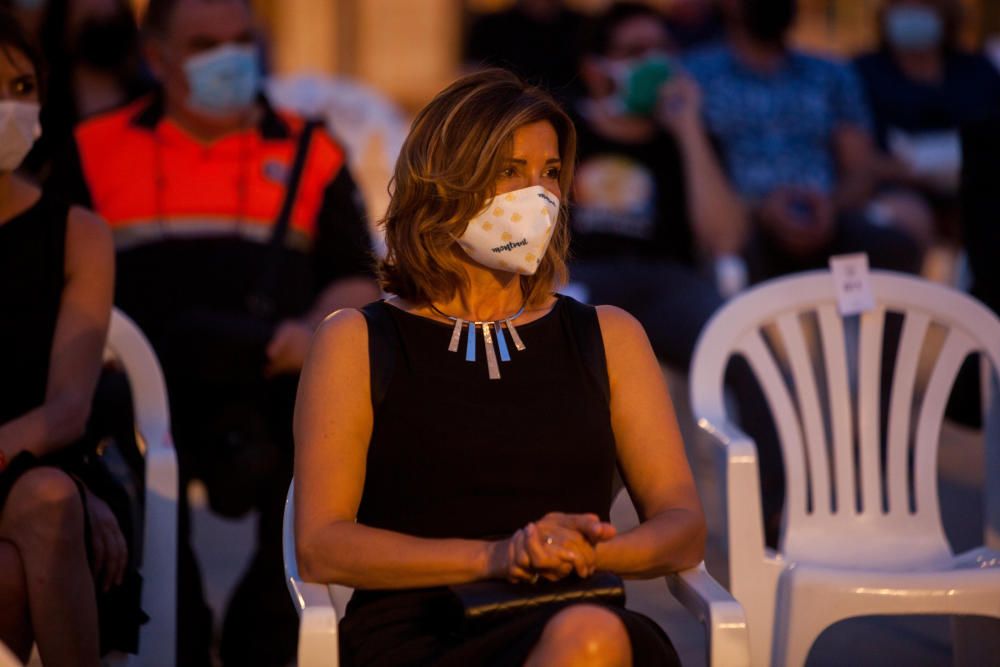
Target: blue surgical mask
913,28
224,80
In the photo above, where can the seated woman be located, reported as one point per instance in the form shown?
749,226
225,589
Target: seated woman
56,276
469,428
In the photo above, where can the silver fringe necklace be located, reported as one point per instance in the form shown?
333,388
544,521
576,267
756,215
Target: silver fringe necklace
487,327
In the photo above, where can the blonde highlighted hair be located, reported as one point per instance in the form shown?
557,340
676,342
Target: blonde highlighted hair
447,170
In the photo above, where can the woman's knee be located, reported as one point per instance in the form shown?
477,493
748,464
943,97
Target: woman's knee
46,501
593,634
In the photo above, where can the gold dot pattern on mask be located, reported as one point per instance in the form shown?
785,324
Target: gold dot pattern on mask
508,235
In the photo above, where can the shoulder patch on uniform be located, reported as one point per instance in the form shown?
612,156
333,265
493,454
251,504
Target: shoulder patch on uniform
276,170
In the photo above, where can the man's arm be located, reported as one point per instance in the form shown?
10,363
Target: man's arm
343,267
852,144
719,220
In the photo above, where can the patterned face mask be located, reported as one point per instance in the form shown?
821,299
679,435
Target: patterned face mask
513,230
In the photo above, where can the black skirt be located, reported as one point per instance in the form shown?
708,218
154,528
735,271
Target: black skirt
426,627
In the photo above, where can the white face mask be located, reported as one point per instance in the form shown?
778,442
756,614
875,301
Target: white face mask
19,128
513,231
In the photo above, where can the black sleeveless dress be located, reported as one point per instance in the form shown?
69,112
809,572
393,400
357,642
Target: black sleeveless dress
32,278
455,454
32,257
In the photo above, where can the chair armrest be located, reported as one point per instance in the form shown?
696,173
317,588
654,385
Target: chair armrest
318,640
727,642
744,515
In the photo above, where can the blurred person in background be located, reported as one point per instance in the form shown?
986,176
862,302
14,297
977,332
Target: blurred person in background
94,64
67,581
694,23
535,39
795,131
923,88
653,211
651,201
193,180
979,197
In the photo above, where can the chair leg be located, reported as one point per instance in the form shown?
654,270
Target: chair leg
798,622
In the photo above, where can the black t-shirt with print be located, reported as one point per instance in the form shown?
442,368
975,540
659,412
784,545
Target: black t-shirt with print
629,200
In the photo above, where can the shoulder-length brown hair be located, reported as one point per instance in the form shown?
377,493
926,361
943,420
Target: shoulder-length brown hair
447,170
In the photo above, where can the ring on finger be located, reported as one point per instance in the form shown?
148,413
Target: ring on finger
549,541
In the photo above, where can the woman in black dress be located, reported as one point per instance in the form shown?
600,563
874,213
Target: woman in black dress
469,428
56,275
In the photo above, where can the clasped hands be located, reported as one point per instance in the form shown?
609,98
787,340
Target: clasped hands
551,548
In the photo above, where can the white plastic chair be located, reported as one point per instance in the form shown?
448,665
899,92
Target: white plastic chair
320,605
129,347
852,544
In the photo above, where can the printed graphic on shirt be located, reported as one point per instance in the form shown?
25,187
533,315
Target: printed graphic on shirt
617,196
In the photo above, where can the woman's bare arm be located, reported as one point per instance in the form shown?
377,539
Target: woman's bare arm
78,344
671,536
333,425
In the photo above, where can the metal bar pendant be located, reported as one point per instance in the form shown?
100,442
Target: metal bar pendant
470,345
514,337
502,342
491,354
456,335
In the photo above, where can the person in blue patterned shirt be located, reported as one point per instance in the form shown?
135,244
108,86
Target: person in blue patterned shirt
795,131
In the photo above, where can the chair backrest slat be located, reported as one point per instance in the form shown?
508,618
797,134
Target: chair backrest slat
790,328
762,362
839,390
869,385
956,348
904,380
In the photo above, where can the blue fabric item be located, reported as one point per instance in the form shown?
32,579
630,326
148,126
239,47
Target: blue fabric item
775,128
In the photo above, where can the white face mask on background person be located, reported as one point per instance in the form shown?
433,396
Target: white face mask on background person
513,230
224,80
910,28
19,128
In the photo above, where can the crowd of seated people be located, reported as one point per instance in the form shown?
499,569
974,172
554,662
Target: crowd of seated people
143,165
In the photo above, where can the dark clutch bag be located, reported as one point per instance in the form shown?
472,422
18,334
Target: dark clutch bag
484,601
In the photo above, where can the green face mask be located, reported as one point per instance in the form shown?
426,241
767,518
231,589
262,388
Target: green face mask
639,84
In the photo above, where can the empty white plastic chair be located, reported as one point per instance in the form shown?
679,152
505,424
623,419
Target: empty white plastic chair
133,353
320,606
856,540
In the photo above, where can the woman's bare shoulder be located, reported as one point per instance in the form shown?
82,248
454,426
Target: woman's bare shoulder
618,326
342,327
